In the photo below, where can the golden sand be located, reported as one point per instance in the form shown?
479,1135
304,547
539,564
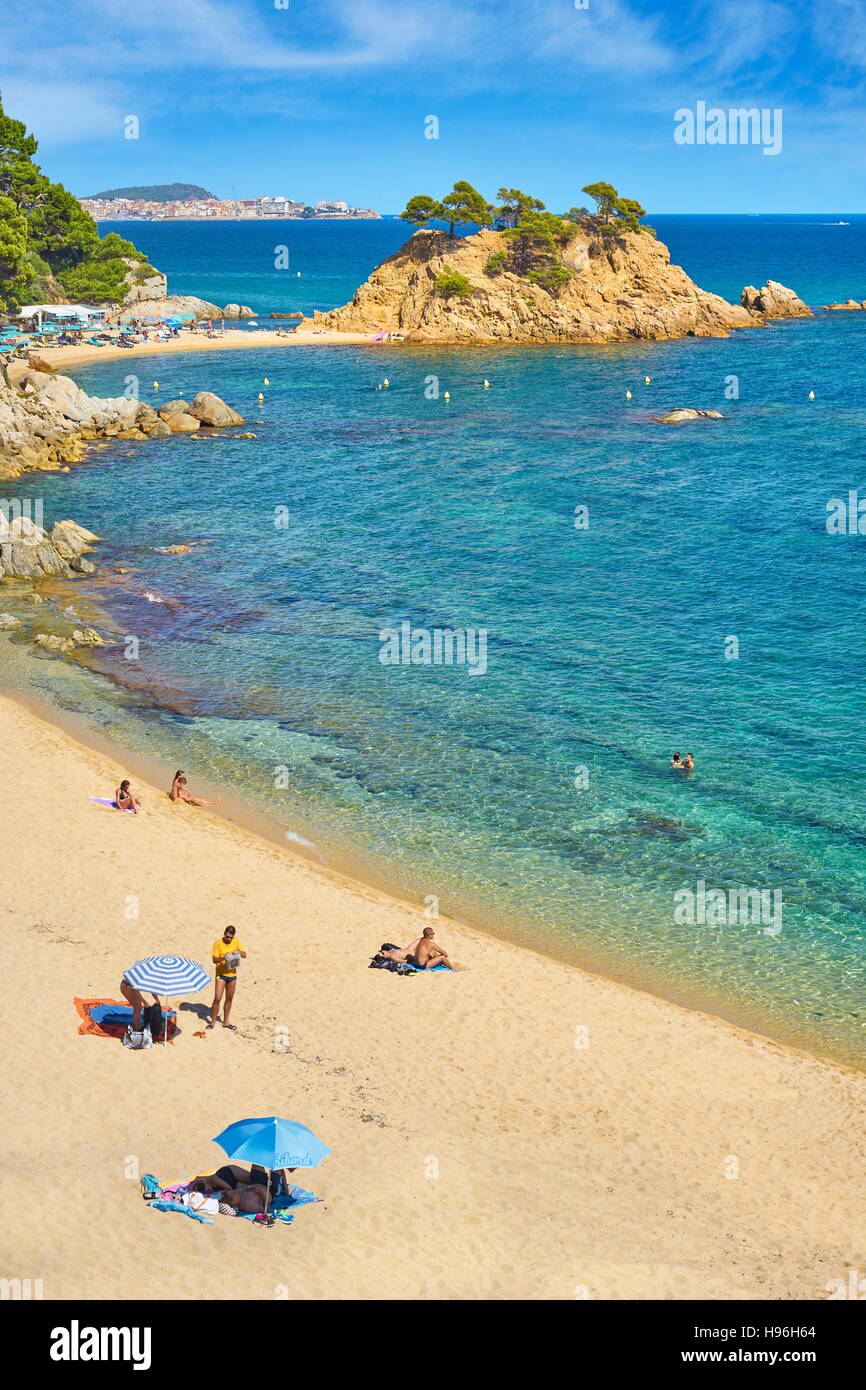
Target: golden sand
522,1130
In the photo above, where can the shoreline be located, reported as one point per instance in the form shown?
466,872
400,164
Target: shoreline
513,1089
360,874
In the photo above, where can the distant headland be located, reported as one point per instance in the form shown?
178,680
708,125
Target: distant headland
186,202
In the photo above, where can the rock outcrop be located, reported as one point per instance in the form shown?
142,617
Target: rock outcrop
621,289
30,552
774,301
848,304
178,305
48,422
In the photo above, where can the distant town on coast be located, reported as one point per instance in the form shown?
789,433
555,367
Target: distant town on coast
188,202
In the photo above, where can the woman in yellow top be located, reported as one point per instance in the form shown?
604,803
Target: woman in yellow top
226,953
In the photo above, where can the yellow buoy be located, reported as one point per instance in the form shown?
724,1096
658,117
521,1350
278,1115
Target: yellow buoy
261,397
267,383
486,383
811,395
447,396
647,380
386,382
299,275
628,395
156,386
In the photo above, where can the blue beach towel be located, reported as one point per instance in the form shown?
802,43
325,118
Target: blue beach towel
109,801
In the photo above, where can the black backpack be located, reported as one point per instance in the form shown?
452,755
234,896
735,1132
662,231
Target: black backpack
152,1018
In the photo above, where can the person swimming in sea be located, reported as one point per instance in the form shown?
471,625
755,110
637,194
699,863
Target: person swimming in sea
689,763
677,762
179,792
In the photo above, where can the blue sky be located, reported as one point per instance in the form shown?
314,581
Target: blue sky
328,98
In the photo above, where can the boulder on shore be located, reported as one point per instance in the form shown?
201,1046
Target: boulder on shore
181,422
237,311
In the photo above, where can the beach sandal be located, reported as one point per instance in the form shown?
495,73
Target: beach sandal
231,1027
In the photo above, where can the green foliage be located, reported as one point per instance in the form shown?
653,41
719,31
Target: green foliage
452,283
513,204
463,204
14,268
158,193
616,215
44,232
534,247
496,263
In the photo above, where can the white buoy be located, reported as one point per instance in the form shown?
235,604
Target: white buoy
267,383
299,275
628,395
486,383
447,396
647,380
811,395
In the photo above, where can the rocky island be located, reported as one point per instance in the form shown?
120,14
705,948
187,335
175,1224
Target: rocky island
534,277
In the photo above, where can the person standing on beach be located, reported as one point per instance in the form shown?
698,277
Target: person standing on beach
226,952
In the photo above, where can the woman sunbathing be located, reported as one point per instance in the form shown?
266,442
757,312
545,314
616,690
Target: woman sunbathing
179,792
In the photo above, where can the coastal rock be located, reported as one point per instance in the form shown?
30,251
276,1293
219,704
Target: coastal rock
247,435
211,410
173,408
53,642
237,311
774,301
849,304
683,414
88,637
8,621
69,539
622,289
182,423
174,549
171,306
38,364
158,430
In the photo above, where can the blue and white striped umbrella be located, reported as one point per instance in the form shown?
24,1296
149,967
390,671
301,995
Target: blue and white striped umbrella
168,975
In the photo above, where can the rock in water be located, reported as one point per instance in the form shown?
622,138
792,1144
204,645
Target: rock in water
181,422
774,301
683,414
211,410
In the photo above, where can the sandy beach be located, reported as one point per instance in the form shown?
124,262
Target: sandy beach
64,357
521,1130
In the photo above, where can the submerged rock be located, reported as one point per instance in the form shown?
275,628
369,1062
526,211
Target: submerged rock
683,414
8,621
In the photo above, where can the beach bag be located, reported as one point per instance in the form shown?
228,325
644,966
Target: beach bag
137,1039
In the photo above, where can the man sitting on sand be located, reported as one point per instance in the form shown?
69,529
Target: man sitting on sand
425,954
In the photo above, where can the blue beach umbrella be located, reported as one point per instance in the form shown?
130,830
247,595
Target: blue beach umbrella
272,1143
167,975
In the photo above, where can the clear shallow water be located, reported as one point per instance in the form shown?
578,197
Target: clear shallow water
606,646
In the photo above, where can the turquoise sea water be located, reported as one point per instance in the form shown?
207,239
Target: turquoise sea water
606,646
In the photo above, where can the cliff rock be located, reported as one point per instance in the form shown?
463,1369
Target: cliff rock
621,289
